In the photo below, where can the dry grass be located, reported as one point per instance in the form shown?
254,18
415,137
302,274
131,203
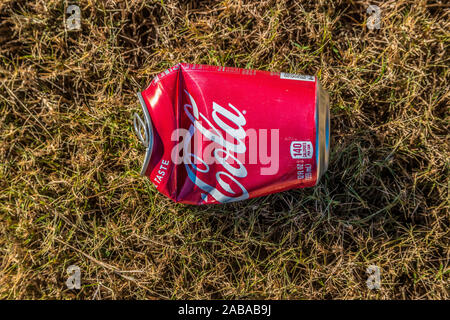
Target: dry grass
70,190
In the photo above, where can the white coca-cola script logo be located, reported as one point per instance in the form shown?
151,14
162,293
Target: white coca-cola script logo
223,150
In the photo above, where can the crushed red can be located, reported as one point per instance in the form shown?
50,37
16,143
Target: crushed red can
221,134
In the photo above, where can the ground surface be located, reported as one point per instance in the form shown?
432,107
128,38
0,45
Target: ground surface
70,190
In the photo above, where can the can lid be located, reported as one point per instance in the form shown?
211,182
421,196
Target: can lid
327,140
323,130
141,126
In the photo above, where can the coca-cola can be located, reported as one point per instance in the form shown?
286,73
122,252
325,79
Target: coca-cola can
220,134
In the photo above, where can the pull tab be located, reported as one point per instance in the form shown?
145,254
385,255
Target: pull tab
139,126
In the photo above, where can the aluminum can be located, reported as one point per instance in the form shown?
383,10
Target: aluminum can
220,134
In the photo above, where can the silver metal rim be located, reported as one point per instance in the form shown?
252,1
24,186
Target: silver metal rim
139,124
323,130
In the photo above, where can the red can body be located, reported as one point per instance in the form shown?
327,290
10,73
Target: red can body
218,134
